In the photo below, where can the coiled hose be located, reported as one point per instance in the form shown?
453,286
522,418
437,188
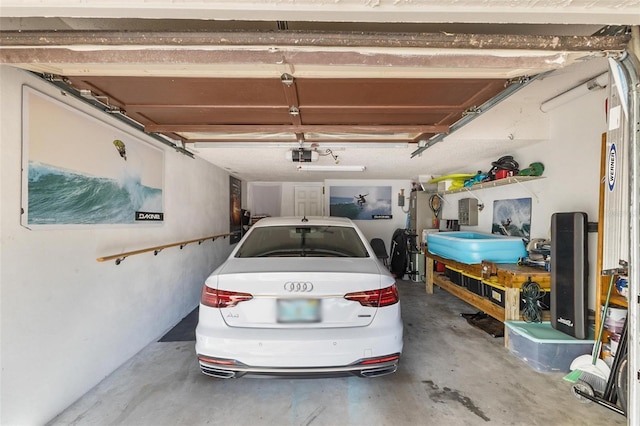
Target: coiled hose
532,295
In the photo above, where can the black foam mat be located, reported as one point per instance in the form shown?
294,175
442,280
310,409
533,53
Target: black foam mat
184,331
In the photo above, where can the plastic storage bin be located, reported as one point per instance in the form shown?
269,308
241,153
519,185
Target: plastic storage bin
544,348
454,276
495,293
473,284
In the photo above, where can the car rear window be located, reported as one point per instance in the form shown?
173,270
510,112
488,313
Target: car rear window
302,241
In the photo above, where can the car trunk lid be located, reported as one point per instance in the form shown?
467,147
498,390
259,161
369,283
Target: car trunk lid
299,294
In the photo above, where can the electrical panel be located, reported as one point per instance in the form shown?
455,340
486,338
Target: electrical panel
468,211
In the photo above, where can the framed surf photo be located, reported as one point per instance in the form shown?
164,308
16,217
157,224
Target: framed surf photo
80,171
360,202
512,217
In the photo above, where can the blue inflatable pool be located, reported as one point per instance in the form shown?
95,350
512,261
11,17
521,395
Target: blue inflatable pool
474,247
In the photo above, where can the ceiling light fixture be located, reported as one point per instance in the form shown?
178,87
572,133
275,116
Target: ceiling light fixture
329,168
252,145
368,145
598,82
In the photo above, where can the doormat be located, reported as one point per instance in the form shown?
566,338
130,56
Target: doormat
486,323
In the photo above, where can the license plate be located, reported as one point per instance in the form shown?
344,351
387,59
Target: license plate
298,310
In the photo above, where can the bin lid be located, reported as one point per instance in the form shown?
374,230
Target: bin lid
543,332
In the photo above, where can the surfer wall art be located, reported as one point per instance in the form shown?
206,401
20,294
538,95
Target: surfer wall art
79,170
512,217
360,202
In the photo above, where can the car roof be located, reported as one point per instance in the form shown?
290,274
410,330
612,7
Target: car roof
300,220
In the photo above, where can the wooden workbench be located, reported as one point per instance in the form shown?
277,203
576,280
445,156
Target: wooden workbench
511,277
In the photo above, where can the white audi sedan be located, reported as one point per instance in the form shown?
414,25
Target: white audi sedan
300,297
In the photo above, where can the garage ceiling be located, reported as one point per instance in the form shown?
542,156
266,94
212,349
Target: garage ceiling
241,97
288,109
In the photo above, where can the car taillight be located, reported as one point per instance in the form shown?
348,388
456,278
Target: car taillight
221,298
375,298
220,361
380,360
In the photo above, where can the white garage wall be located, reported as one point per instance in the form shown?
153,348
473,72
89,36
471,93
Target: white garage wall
68,320
571,156
382,228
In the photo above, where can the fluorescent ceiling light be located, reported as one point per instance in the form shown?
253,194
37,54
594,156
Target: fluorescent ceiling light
330,168
240,137
598,82
363,137
253,145
367,145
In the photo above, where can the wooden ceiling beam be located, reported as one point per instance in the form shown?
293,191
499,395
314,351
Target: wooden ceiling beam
163,62
316,39
257,53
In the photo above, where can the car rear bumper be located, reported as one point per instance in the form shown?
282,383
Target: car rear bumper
228,369
233,352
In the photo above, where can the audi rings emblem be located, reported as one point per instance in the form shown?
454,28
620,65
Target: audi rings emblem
298,286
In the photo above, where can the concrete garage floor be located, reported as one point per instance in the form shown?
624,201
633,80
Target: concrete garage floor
450,374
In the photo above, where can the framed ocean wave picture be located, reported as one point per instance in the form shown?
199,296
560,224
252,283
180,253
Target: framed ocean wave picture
81,171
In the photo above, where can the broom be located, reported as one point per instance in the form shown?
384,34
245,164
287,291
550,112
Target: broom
590,368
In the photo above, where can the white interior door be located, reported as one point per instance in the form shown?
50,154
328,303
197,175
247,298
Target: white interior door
308,201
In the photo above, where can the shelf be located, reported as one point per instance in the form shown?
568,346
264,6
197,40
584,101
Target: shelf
473,299
510,278
510,275
490,184
618,300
